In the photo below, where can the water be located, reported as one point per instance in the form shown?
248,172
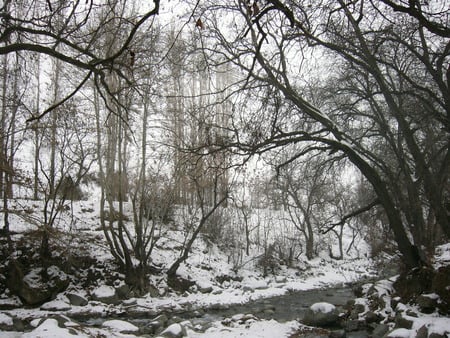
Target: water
291,306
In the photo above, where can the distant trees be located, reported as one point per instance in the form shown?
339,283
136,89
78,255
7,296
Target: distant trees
306,194
77,41
384,105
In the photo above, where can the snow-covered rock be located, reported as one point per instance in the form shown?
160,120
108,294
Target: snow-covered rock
105,294
76,299
174,331
49,328
6,322
56,305
321,314
120,326
255,284
204,287
36,286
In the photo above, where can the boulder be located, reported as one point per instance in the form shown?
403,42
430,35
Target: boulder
380,330
174,331
179,283
105,294
441,286
76,299
427,303
422,332
37,286
414,283
121,326
399,333
372,317
403,323
204,287
356,310
321,314
352,325
6,322
55,305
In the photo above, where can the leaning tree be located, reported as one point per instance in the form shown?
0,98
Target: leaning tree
365,80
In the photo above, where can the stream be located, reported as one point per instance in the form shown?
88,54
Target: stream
291,306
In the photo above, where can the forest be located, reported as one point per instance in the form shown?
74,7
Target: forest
271,137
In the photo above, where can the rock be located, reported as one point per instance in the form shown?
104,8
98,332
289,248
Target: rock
402,322
19,325
356,310
411,313
228,278
441,286
179,283
280,279
372,317
76,299
204,287
153,291
438,335
358,290
174,331
38,285
255,285
55,305
6,322
427,303
10,303
174,320
352,325
123,291
121,326
61,320
105,294
337,334
162,320
152,327
321,314
395,301
414,283
380,330
422,332
399,333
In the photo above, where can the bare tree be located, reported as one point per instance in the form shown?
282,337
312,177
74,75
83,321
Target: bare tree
305,188
399,78
77,42
198,215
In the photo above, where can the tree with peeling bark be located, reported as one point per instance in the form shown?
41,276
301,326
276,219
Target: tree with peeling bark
381,97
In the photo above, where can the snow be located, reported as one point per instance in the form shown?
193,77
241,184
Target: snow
120,326
56,305
174,330
400,333
104,291
205,263
322,307
49,329
5,319
253,284
259,329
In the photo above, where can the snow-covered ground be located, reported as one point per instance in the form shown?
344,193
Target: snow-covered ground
80,236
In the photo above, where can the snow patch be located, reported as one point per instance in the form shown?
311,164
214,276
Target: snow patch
322,307
5,319
120,326
104,291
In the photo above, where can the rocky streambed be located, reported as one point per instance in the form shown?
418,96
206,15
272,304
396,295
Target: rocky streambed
291,306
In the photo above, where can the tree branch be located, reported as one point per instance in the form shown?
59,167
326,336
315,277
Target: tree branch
351,215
